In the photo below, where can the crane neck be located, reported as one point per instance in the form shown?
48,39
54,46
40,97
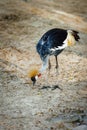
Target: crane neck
45,64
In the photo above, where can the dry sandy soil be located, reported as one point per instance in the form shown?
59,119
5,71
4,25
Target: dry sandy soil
27,107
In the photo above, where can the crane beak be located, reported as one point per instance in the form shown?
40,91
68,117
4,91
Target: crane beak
34,83
33,80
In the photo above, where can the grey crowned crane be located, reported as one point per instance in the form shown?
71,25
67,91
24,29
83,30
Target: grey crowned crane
53,42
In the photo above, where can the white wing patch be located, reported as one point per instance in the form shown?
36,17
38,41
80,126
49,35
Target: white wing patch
59,47
68,39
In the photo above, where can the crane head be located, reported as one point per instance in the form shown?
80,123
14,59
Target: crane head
34,75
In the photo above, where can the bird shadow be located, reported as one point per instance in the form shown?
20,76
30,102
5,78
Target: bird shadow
47,87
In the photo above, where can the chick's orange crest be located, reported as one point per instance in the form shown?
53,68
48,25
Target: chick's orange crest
33,73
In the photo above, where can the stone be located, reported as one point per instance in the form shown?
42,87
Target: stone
81,127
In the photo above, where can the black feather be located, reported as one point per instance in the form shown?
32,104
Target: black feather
51,39
75,34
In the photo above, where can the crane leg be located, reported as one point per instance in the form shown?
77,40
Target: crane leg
49,65
57,66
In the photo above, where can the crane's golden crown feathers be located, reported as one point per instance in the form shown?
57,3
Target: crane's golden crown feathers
33,72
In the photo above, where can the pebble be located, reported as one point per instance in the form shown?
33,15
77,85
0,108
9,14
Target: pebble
81,127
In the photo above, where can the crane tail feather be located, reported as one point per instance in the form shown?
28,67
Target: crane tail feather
75,34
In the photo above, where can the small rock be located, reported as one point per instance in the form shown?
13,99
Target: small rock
81,127
85,120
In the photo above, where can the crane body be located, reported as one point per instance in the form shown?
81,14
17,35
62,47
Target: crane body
53,42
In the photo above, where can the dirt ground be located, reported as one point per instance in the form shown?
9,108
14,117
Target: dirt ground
40,107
